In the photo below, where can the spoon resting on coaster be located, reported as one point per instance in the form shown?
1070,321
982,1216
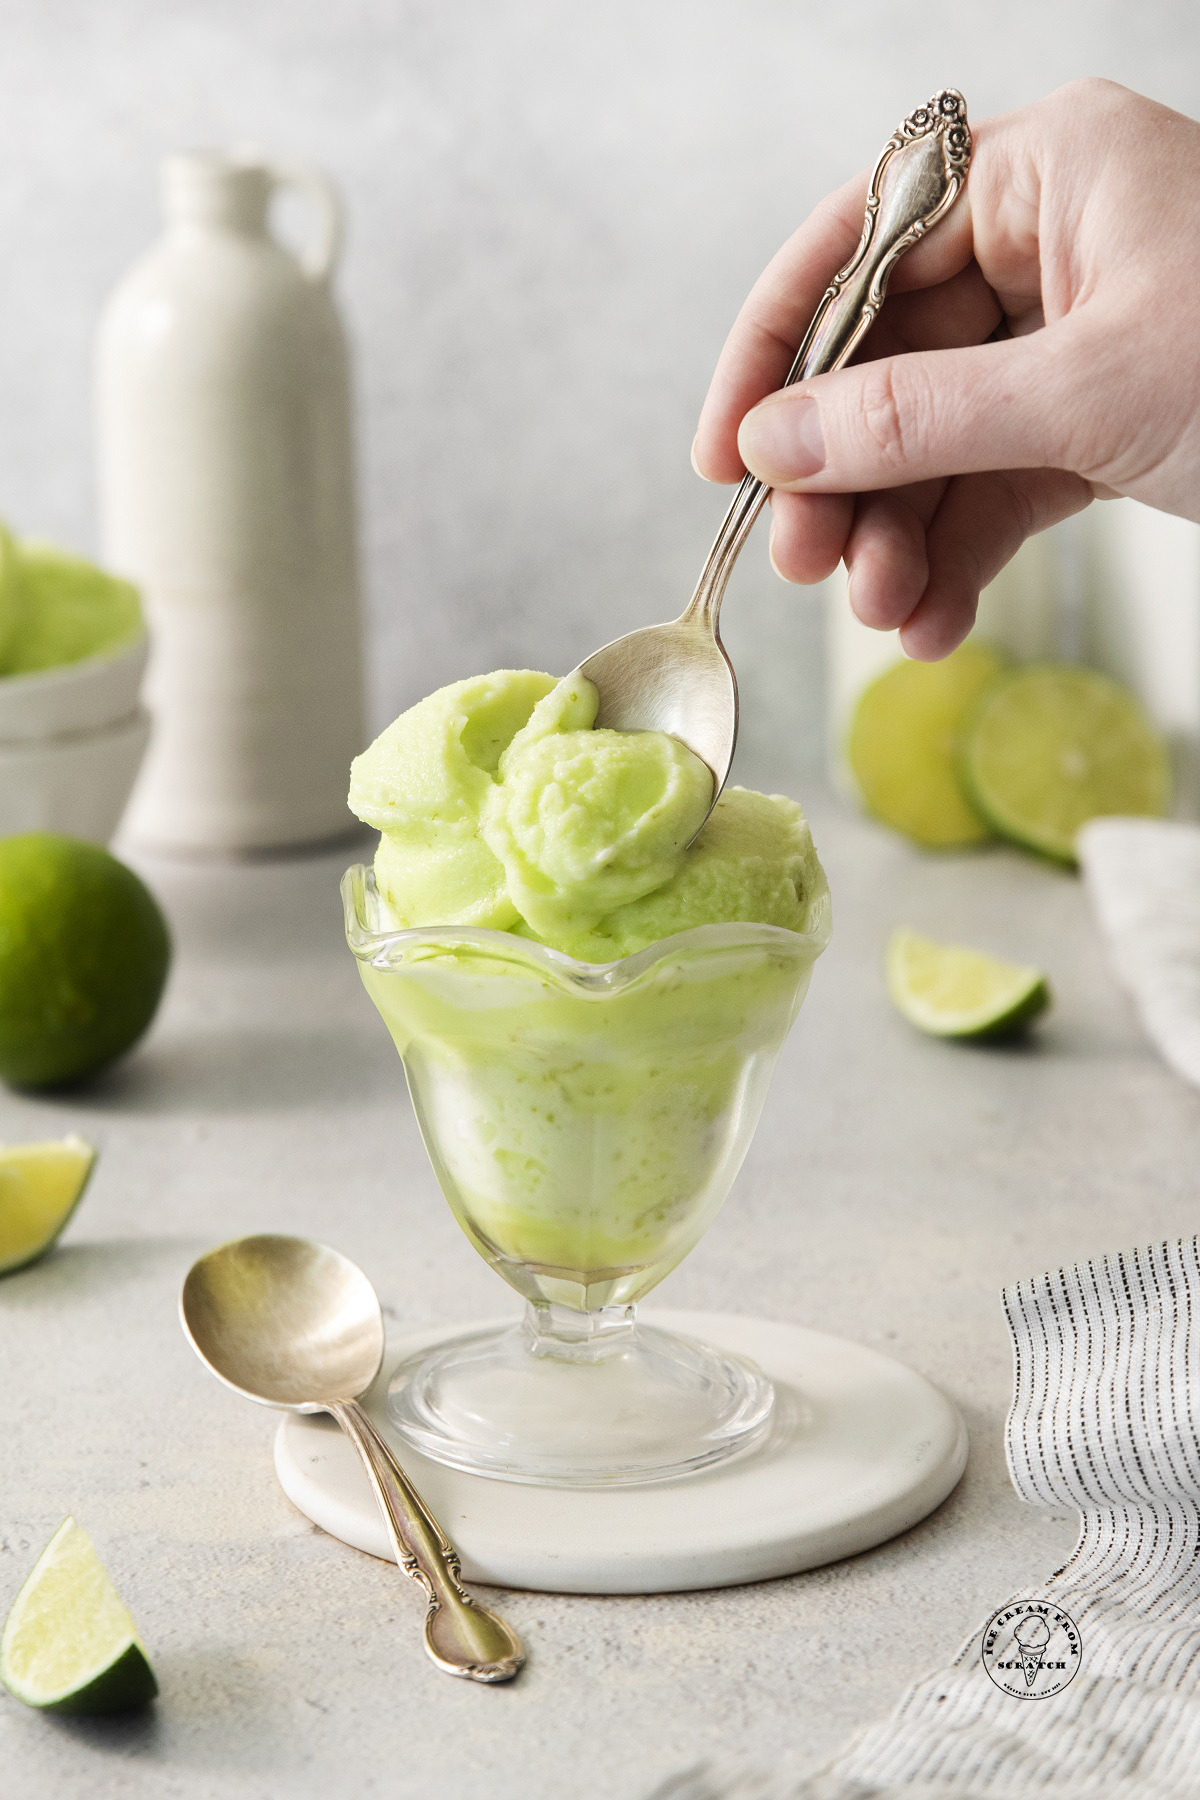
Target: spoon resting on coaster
295,1325
678,677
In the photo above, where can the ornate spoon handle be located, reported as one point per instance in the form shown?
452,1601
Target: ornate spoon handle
920,172
461,1637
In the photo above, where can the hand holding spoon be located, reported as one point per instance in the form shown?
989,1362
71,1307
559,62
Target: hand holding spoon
295,1325
677,677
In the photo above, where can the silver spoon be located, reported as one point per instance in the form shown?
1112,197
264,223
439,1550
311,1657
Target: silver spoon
295,1325
678,677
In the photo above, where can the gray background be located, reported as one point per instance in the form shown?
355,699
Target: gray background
555,210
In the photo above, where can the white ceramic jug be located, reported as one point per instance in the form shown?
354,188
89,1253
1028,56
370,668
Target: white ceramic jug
1143,623
227,494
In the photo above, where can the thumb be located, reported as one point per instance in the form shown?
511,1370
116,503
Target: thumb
1014,404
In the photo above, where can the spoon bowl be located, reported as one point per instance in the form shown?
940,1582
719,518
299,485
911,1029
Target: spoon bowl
284,1321
675,678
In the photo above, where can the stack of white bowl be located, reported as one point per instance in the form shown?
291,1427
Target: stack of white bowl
71,742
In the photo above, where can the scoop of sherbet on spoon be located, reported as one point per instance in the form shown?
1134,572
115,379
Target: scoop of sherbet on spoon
296,1325
678,677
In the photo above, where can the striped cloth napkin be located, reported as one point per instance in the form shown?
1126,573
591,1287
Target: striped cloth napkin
1105,1417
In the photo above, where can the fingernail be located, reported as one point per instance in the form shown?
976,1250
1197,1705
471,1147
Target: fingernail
695,464
771,552
781,440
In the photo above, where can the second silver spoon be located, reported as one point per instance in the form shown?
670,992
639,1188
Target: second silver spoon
296,1325
678,677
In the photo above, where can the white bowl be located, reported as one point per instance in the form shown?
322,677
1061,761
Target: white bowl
76,784
77,697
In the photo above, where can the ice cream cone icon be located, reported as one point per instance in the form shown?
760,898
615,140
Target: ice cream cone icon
1032,1635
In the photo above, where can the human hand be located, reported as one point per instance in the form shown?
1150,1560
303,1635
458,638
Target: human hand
925,464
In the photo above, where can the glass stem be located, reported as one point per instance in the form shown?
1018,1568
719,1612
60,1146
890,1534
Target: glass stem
571,1336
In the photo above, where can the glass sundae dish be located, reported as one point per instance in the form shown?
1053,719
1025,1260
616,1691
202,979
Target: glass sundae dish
588,1029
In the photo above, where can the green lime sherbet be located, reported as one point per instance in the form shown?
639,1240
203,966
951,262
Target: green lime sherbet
10,593
422,785
501,805
57,609
585,1134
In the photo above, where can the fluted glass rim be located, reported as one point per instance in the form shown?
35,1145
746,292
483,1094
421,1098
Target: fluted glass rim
393,948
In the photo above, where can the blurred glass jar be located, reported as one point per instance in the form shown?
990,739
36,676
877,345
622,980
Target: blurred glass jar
227,494
1141,570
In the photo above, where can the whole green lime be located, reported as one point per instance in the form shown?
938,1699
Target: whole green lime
84,954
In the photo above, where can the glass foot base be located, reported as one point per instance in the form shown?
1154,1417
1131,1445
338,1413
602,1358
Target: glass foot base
579,1400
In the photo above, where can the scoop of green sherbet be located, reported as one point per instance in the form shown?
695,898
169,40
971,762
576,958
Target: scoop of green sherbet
585,821
10,593
433,765
65,609
502,806
571,705
423,782
754,862
453,880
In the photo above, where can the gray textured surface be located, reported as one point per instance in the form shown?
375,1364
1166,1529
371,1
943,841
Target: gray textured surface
894,1185
555,211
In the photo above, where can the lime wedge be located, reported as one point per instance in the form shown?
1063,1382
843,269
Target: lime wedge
957,993
69,1645
904,745
1051,746
40,1187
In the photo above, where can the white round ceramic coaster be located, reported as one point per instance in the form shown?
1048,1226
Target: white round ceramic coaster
860,1449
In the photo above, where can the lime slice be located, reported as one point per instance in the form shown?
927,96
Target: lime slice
1051,746
958,993
69,1645
40,1187
904,744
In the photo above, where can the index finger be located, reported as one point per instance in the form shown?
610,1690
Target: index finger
778,310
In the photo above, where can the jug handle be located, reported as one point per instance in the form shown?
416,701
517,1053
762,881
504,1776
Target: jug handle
319,259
